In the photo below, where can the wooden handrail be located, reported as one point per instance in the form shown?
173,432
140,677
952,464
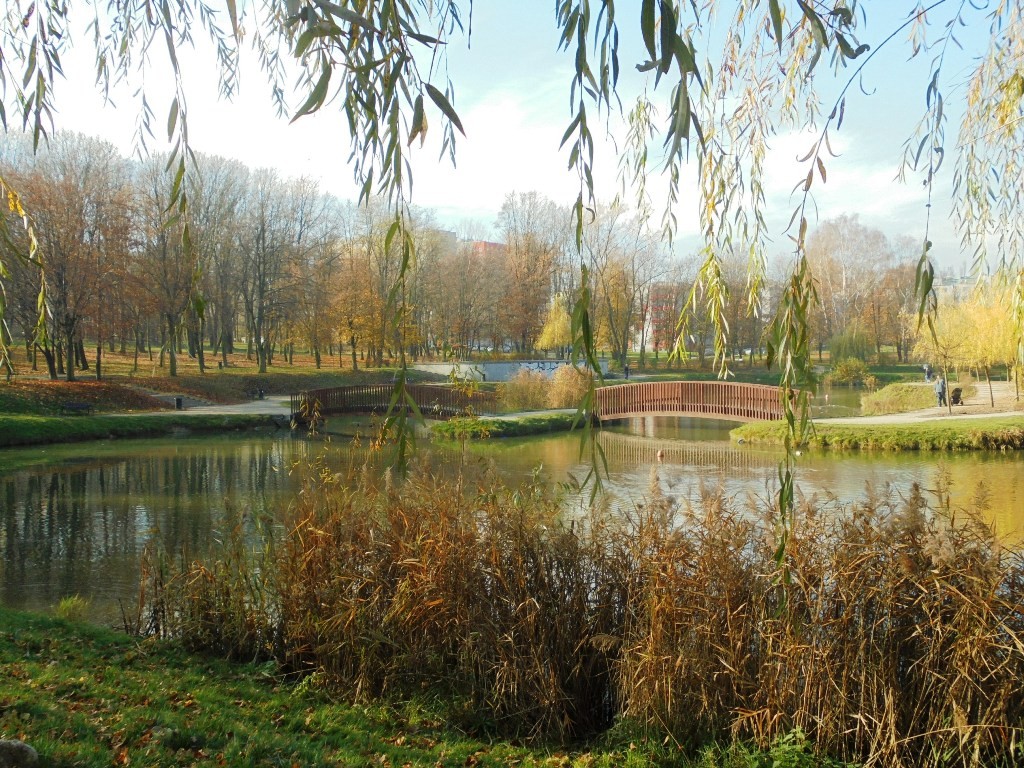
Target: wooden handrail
706,399
433,401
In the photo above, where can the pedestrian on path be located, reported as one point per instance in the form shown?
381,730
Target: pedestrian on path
940,390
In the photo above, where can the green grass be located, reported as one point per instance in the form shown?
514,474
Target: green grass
86,696
42,397
234,384
477,429
951,435
897,398
41,430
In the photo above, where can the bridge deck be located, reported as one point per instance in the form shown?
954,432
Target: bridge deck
434,401
703,399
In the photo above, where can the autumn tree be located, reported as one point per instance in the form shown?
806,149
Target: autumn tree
532,235
994,340
946,344
215,215
167,263
76,191
557,331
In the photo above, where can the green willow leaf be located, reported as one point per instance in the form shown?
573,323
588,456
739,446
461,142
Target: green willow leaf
419,122
318,95
776,13
445,106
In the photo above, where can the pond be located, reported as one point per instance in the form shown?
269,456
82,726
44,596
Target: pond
74,519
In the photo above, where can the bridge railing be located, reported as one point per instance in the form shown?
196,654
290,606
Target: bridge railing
729,400
433,401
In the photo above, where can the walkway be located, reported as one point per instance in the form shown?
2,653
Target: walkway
978,406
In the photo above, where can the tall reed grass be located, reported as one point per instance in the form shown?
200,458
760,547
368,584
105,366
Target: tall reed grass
888,634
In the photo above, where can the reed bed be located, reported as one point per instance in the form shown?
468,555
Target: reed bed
887,634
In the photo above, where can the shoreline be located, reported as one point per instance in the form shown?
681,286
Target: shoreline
24,431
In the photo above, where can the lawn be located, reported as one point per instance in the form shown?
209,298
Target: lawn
92,698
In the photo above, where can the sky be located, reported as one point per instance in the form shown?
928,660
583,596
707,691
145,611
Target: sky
512,88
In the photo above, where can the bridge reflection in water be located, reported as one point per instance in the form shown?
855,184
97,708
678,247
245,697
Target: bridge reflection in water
626,449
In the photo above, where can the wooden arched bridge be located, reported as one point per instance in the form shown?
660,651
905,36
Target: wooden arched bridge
703,399
434,401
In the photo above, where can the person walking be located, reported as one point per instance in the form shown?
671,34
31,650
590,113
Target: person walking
940,390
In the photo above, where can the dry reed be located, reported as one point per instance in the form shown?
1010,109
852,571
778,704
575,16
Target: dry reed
889,634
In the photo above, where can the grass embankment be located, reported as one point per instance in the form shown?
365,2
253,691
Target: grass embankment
89,697
521,426
42,397
867,635
903,397
950,435
897,398
237,384
41,430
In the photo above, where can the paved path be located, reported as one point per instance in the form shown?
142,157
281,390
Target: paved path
978,406
270,405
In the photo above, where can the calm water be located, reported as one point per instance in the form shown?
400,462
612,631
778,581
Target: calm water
75,519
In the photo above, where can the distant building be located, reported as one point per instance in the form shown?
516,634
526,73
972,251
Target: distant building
487,249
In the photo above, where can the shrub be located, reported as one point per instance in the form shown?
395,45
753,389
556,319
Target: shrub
73,608
849,371
568,387
867,635
526,391
897,398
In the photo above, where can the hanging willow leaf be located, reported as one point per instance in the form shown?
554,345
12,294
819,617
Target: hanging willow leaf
318,94
445,106
776,13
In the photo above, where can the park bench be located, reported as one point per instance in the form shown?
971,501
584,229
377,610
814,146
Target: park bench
75,409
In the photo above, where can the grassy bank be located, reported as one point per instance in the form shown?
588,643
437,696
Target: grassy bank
934,435
89,697
483,428
867,635
41,397
122,393
41,430
897,398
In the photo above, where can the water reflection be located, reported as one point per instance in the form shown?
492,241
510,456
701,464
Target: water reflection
79,524
75,519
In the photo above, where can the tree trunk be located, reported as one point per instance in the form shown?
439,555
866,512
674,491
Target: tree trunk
51,365
200,352
70,350
172,346
991,396
83,361
99,361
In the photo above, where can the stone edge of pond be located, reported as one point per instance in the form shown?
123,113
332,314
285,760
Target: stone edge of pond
18,431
